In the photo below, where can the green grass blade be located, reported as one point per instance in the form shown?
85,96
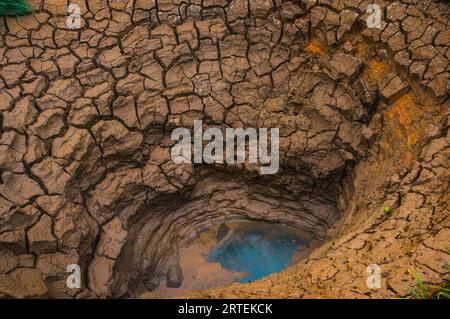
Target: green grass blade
422,289
443,295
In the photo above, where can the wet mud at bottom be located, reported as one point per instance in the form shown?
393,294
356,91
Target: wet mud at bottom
238,251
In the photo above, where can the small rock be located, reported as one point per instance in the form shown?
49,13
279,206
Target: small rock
222,232
174,276
151,283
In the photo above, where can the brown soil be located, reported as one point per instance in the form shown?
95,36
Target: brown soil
86,118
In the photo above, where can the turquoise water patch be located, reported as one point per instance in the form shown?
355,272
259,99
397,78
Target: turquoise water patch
257,249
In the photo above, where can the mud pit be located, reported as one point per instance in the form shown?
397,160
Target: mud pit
87,115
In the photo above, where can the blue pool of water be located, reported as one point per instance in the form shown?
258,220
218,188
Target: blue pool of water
256,251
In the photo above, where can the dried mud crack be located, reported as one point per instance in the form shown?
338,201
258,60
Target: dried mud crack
86,118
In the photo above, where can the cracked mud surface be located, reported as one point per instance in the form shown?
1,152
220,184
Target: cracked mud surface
86,117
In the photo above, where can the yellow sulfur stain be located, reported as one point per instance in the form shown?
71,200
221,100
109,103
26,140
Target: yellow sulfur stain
376,70
405,124
315,48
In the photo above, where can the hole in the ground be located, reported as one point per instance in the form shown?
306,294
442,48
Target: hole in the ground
210,235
